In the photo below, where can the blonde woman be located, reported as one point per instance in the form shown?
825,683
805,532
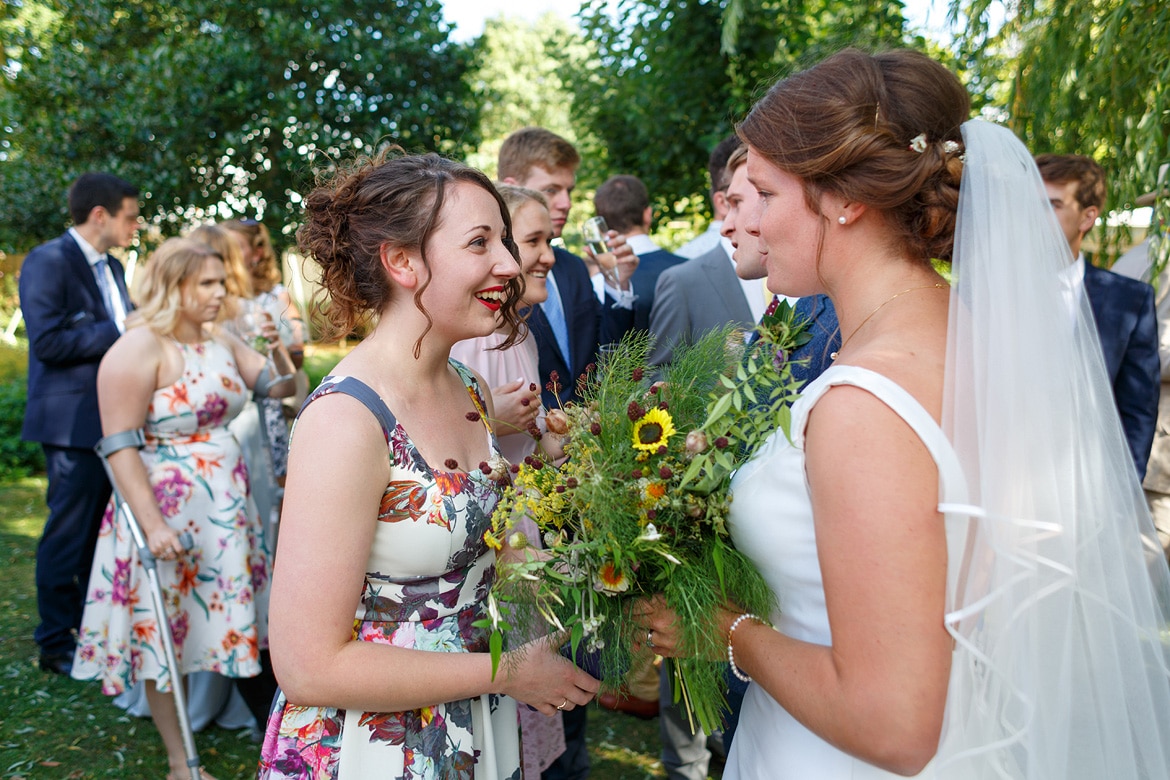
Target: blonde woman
182,381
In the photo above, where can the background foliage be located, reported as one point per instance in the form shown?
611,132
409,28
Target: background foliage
215,105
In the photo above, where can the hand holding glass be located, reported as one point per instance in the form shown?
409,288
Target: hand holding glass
593,232
251,322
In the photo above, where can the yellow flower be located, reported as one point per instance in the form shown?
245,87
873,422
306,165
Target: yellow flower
652,431
491,541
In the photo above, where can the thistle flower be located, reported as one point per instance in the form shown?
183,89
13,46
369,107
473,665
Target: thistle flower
637,374
472,416
634,411
451,464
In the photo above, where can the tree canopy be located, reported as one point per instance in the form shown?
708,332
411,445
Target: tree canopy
205,105
673,76
1088,78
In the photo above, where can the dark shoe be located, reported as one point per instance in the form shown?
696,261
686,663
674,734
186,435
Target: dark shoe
57,663
631,705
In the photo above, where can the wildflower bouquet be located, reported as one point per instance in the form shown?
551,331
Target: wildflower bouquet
640,506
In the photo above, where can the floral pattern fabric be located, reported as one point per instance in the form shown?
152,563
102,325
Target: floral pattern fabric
426,583
216,594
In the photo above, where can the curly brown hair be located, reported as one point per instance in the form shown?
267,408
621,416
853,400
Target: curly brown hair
391,199
847,127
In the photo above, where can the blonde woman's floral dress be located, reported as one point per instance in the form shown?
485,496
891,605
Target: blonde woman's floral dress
427,580
216,594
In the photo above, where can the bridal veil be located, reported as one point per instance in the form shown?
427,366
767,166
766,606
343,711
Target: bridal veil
1058,592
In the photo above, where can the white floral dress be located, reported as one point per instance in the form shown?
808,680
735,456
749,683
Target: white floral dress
216,594
427,579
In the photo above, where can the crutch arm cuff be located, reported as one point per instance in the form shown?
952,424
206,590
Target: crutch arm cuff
108,445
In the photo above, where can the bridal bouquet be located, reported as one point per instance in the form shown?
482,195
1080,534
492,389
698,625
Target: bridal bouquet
640,506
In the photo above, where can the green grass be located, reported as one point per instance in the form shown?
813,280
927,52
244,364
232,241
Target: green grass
51,727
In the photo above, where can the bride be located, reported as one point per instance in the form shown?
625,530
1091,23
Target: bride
969,584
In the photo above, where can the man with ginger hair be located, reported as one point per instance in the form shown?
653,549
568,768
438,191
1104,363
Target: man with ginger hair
571,325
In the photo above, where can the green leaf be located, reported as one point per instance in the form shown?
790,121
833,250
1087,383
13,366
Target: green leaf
496,647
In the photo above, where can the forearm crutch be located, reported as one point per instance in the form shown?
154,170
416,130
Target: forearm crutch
105,448
264,383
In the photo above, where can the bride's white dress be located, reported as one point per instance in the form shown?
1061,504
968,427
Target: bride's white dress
771,520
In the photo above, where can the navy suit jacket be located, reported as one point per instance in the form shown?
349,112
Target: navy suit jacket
645,279
69,331
1127,326
826,337
590,324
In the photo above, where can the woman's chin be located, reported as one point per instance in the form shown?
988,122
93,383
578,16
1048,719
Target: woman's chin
533,297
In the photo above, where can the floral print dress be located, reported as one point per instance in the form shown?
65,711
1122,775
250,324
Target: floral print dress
426,583
216,594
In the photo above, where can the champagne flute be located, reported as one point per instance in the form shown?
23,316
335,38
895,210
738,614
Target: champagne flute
249,323
593,232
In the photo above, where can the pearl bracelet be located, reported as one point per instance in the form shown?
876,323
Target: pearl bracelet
731,652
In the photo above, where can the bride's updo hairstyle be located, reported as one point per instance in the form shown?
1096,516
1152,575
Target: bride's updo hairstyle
392,199
877,129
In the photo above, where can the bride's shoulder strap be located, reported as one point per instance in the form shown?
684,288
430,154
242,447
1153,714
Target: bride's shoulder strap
953,485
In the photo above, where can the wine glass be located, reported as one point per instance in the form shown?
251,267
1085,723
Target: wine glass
249,322
593,232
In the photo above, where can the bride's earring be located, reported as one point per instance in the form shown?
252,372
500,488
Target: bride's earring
841,220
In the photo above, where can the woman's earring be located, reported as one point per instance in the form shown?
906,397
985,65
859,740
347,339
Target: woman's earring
841,220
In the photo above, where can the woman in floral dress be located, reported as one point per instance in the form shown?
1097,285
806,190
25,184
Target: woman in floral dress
383,570
183,382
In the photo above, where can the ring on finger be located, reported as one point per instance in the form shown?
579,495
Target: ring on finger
563,704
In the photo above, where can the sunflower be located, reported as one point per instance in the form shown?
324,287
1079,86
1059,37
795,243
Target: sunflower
652,431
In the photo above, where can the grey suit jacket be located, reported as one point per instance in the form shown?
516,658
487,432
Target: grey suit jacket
694,297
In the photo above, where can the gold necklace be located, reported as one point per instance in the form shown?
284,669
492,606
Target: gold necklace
938,286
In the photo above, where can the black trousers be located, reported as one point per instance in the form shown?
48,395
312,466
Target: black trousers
77,497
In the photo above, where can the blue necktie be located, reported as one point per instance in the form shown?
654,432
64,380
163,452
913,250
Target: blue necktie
554,312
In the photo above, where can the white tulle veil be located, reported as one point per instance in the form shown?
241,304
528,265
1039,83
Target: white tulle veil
1058,589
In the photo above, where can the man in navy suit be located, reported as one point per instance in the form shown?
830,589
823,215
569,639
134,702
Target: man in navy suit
74,301
625,204
570,326
1123,308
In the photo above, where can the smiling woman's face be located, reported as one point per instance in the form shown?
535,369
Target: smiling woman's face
532,229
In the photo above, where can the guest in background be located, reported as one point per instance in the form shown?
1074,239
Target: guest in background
181,382
571,324
74,301
624,202
1123,308
717,172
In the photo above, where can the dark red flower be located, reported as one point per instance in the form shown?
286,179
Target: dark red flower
635,411
571,482
721,443
637,374
665,472
595,429
472,416
637,474
451,464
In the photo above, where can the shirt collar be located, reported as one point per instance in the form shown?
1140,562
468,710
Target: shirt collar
92,256
641,244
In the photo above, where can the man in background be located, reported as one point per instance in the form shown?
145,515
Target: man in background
624,202
1123,308
717,170
571,325
74,301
